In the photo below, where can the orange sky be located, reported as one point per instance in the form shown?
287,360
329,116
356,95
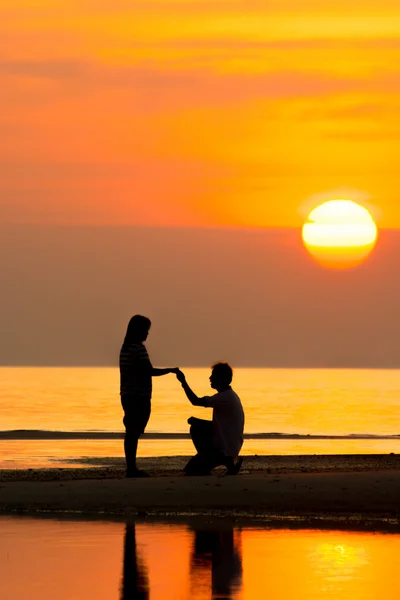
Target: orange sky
168,112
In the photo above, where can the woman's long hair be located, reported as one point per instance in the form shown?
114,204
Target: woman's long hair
138,328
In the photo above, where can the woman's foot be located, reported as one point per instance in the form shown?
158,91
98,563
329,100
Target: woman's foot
132,473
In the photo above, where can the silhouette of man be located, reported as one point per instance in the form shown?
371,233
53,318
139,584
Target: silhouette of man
135,582
216,551
136,372
218,442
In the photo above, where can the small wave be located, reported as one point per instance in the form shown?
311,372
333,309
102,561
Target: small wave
37,434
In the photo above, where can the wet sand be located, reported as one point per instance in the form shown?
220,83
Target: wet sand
350,487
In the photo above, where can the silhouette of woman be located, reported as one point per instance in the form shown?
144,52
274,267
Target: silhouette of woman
134,579
136,372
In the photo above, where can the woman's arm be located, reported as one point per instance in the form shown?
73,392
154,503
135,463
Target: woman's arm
158,372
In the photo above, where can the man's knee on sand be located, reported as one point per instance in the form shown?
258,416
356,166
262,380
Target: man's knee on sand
201,433
208,457
204,463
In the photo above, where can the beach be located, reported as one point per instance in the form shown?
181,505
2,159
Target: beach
359,487
343,463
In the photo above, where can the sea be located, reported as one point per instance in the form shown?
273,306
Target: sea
43,559
52,417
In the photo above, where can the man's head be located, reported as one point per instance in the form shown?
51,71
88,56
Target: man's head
138,329
221,376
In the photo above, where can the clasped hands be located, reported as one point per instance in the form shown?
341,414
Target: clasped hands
179,374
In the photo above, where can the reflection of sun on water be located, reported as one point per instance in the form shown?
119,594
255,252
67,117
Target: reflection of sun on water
339,234
337,563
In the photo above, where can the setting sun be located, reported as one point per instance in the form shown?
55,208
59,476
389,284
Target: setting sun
339,234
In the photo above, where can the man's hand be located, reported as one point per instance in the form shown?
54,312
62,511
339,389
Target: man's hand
188,391
180,376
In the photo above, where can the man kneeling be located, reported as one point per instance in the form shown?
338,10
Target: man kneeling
218,442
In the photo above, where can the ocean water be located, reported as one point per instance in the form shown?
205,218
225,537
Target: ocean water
327,411
47,558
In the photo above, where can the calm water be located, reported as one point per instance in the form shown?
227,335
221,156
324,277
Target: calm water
47,559
316,402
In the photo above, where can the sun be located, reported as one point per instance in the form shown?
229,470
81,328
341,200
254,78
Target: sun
340,234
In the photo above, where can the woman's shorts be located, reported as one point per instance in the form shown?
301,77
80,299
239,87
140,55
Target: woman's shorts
136,417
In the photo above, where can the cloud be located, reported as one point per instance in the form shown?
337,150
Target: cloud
356,111
44,69
149,88
161,89
200,85
153,191
239,44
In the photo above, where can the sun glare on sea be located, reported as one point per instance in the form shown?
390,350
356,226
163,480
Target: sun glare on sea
339,234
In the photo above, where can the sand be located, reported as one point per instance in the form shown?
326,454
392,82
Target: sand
364,488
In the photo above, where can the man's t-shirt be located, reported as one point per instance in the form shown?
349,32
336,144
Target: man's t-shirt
135,371
228,421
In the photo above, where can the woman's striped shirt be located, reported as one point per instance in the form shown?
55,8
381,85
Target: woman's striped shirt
135,370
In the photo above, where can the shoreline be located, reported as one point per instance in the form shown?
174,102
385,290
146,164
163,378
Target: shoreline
172,466
348,489
373,523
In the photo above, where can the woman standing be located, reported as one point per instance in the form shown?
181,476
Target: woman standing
136,372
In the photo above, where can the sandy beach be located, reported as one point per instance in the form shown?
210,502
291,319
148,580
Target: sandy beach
323,487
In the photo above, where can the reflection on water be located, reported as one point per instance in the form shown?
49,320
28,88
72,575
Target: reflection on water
135,583
345,402
216,553
215,565
338,562
25,454
47,559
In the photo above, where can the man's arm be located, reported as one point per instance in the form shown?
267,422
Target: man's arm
195,400
158,372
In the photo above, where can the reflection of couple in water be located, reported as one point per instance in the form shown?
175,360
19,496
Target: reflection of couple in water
135,582
218,442
214,551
